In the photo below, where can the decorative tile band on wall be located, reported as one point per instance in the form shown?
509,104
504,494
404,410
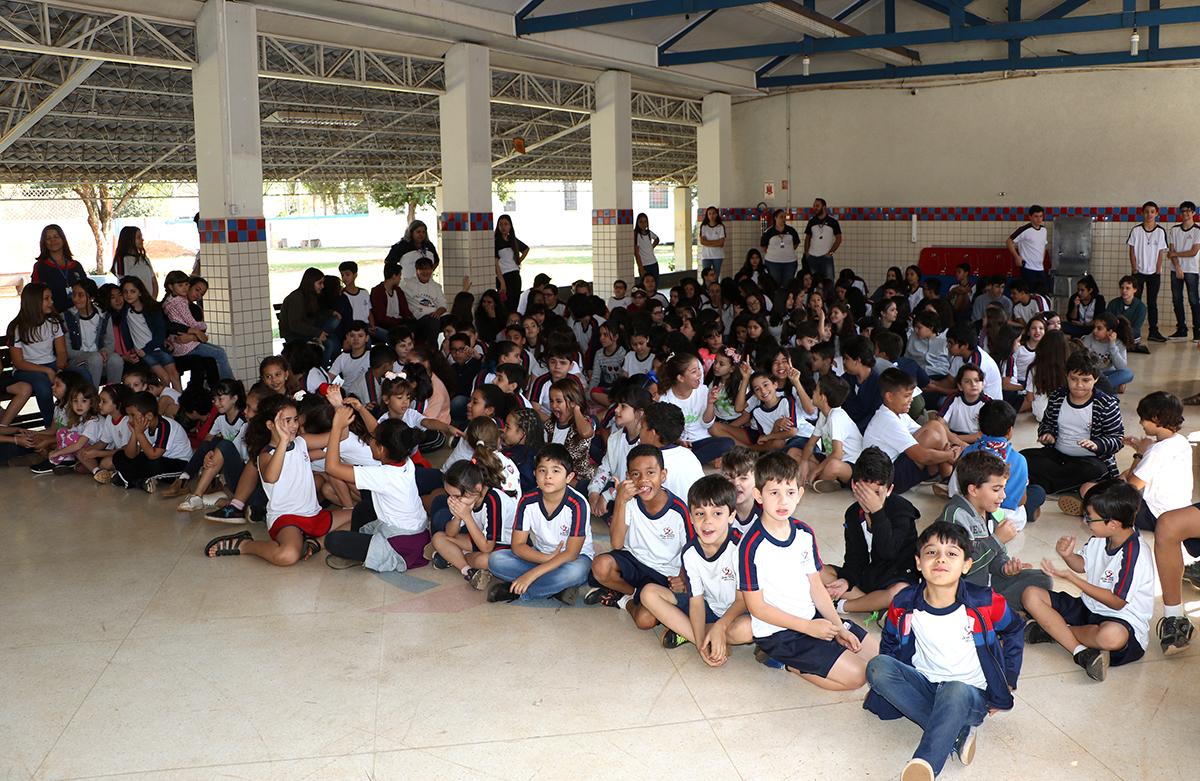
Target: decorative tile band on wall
955,213
465,221
612,216
233,231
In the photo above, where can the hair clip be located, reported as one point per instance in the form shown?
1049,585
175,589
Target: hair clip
299,395
390,375
480,444
651,377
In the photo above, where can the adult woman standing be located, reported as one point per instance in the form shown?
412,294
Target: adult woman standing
510,253
56,267
130,259
779,245
712,240
415,244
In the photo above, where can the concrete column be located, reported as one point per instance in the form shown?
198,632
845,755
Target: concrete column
715,180
466,192
612,182
684,222
233,231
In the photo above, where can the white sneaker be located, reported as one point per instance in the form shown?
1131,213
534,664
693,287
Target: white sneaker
190,504
210,500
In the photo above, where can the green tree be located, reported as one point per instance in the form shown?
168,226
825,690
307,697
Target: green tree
399,195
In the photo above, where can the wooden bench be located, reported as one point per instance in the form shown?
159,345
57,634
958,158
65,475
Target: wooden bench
29,420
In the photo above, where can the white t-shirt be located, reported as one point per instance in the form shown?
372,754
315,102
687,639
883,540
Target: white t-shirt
634,365
1146,246
87,331
839,427
115,435
944,646
780,569
993,386
139,332
92,428
683,469
394,496
40,348
645,246
763,420
891,433
496,515
618,303
1129,573
223,429
742,525
694,427
424,298
408,262
353,372
1184,240
549,527
1074,424
295,492
712,233
1031,246
962,416
658,540
172,438
1022,360
1166,469
360,305
615,463
714,579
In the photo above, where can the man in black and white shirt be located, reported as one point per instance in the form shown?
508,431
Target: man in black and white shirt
822,237
1027,245
1183,244
1147,249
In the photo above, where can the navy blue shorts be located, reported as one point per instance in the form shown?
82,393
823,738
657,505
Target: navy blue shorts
632,571
805,653
908,474
1076,613
682,601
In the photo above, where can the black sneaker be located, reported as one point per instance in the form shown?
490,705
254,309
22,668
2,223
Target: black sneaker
470,573
439,561
1174,633
42,468
1155,336
672,639
1180,333
1191,574
1140,348
256,513
1094,662
1034,633
65,468
120,480
601,596
965,747
226,514
500,592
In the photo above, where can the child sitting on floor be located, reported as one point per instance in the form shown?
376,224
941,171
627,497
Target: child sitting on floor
961,410
662,426
483,516
917,451
830,453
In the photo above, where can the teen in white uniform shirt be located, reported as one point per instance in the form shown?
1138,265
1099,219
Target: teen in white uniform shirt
1147,249
1027,245
1184,254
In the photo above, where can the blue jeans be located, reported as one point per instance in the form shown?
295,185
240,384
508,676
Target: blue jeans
1148,291
1118,376
333,343
158,357
1192,283
1035,497
782,273
206,350
945,711
508,566
820,265
41,383
713,263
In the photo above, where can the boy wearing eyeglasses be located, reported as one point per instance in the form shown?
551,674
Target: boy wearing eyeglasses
1110,623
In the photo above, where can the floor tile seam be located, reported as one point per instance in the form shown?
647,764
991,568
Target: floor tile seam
127,773
700,708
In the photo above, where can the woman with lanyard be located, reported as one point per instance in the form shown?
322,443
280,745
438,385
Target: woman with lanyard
779,245
510,253
56,267
415,244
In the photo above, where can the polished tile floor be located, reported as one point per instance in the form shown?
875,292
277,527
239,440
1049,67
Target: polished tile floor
125,653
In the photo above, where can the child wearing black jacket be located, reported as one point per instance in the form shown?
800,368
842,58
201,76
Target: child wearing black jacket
881,540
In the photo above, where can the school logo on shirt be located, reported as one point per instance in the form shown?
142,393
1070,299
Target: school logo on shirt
565,530
968,628
668,533
1109,577
727,573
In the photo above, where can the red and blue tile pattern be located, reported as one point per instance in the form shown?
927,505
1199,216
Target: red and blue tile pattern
465,221
233,231
955,213
612,216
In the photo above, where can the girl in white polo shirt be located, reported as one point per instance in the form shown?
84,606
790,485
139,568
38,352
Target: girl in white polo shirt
295,520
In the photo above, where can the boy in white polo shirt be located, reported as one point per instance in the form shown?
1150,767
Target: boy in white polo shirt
710,614
1183,250
792,615
918,452
1147,249
157,447
552,549
1027,245
650,527
1110,622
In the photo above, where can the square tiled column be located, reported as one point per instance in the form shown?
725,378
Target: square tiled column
468,249
612,249
237,308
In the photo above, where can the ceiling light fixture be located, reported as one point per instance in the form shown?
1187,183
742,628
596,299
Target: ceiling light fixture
805,63
316,118
1134,41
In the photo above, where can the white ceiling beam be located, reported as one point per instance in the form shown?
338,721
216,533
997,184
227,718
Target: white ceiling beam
22,126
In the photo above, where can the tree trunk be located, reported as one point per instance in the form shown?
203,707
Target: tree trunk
412,212
98,201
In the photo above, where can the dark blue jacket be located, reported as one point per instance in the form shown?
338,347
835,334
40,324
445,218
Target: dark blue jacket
999,641
863,400
104,340
155,320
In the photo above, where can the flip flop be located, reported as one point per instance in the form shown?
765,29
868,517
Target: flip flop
339,563
227,544
310,548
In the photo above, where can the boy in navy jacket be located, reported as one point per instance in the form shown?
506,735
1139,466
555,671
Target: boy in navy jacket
949,656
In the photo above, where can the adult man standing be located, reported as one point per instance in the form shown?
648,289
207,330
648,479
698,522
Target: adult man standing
822,237
1027,245
1147,249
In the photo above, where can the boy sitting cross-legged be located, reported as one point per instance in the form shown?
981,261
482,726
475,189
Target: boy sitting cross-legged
711,614
950,654
792,616
881,540
1110,623
551,540
917,451
650,527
